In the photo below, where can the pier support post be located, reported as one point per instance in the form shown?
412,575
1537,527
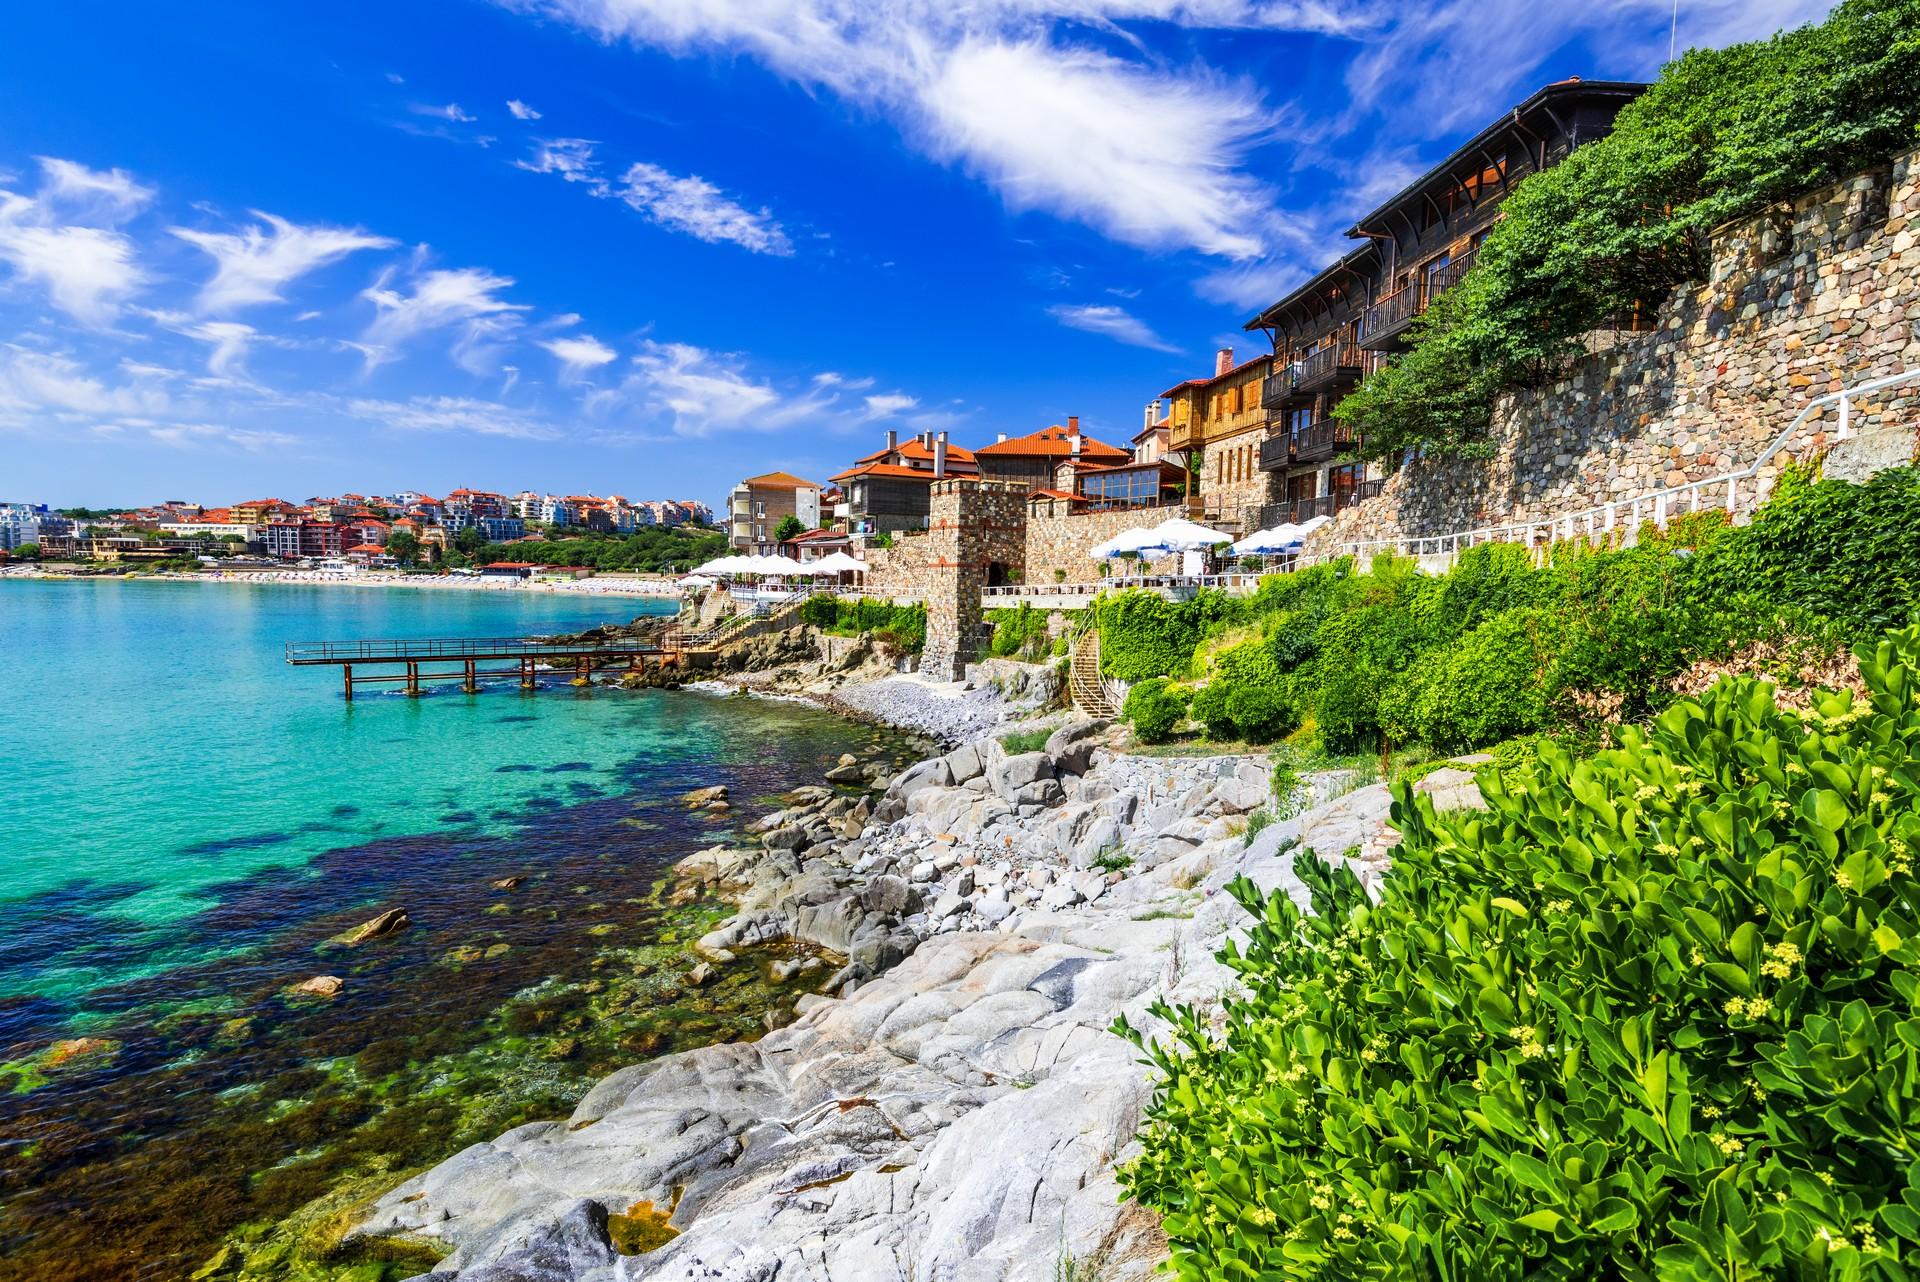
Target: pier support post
526,675
346,677
413,680
583,671
472,685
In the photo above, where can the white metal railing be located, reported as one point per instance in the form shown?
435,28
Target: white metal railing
1728,491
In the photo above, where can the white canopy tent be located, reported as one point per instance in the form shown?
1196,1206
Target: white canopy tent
1181,535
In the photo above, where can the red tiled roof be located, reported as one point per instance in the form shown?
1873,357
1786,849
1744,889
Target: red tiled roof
1051,442
1201,382
912,448
1057,494
891,470
780,481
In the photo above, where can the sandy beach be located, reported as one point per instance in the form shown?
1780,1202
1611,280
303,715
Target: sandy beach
656,589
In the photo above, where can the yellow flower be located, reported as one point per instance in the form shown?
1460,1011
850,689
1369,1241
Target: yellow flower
1729,1145
1842,879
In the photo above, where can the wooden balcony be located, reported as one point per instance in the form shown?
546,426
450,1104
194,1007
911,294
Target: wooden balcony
1299,510
1276,388
1387,319
1326,368
1310,444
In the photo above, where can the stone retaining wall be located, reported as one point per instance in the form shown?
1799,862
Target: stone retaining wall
1063,542
1802,300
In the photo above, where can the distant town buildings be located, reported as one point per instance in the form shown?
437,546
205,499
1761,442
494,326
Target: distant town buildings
339,529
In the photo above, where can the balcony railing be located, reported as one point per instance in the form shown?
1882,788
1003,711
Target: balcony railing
1307,444
1298,510
1325,367
1388,317
1276,387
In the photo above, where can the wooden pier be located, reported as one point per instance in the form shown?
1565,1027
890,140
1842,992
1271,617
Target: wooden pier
471,660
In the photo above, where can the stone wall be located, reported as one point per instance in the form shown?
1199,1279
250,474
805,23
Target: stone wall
1063,542
975,526
1803,300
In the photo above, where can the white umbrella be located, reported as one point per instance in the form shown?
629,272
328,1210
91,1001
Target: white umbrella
1308,527
725,566
778,566
1181,535
694,581
1126,541
1266,542
838,563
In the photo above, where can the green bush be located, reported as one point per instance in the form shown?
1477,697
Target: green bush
1209,708
1260,713
1653,1015
1020,631
1145,635
903,626
1155,707
1488,685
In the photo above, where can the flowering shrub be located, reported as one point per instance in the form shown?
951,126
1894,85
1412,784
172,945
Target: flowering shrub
1654,1015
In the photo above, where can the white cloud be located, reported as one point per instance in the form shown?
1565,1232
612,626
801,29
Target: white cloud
521,111
230,341
455,414
255,264
695,206
37,385
465,299
64,238
189,435
889,405
1113,322
571,158
1012,91
704,392
450,112
579,354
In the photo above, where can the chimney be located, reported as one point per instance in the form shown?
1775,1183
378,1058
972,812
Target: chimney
1073,435
1222,361
940,457
1001,439
1073,424
1152,414
893,439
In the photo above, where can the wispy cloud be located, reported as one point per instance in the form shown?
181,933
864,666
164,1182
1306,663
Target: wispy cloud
580,353
703,392
455,414
450,112
38,385
1112,322
64,238
464,299
691,204
889,405
570,158
254,265
1015,91
521,111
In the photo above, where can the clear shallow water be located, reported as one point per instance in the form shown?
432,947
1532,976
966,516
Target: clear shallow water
157,747
188,822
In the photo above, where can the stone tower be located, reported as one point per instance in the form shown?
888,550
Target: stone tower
976,532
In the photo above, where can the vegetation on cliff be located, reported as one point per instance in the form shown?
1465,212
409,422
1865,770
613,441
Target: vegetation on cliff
1723,134
1500,647
1651,1016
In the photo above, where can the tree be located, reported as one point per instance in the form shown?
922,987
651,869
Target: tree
403,547
789,526
469,540
28,551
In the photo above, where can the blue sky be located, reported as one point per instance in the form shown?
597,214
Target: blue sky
650,246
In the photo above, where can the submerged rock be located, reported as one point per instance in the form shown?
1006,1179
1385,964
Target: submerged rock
318,986
390,922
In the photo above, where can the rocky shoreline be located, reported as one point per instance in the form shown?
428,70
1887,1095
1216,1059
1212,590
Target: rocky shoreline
952,1104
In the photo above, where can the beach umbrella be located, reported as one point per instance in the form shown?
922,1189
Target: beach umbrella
778,566
1137,540
694,581
1308,527
727,566
1267,542
1181,535
838,563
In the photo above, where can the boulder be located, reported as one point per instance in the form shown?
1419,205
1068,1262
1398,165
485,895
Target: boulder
318,986
790,837
1020,770
507,883
847,774
964,763
577,1245
701,974
702,796
1071,746
390,922
890,896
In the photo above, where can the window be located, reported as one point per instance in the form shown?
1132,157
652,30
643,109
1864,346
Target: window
1121,489
1299,420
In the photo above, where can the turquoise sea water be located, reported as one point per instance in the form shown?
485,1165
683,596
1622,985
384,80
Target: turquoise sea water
156,746
186,825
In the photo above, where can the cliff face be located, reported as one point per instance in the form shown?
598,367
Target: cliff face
1801,301
958,1117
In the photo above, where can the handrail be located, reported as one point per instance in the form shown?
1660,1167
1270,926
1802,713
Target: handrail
427,648
1602,518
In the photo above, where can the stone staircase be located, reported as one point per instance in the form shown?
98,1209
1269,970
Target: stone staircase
1089,688
721,637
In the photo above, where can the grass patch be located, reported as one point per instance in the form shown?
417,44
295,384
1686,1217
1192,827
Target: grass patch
1112,861
1025,740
